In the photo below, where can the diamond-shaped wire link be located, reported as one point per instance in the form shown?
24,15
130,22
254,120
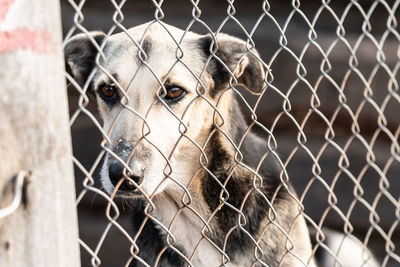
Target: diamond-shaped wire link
340,93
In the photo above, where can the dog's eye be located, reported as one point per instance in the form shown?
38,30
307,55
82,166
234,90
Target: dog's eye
108,92
174,93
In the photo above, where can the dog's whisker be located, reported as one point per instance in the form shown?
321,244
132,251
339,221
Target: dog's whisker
94,196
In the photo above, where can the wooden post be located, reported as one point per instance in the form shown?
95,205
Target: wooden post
35,137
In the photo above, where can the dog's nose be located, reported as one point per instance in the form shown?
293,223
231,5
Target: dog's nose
115,172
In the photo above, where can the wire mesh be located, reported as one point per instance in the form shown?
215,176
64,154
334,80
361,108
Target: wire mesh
326,118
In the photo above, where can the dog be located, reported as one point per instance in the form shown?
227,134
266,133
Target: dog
207,190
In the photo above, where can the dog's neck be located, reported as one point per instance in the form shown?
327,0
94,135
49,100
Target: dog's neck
187,214
185,218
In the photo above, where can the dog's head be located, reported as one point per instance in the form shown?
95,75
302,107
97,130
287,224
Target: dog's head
158,102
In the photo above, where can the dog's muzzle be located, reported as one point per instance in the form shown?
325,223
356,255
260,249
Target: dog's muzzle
116,168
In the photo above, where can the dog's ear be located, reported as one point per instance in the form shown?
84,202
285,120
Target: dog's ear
241,61
80,53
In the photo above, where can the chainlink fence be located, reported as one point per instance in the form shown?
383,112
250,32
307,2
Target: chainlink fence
328,112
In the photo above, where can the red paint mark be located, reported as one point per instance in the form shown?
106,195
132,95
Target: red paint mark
4,7
22,38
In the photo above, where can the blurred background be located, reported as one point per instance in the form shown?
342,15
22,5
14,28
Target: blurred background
362,85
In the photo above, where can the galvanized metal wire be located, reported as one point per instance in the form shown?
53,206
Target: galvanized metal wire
337,91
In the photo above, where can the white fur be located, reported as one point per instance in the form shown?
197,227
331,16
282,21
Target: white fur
186,228
349,251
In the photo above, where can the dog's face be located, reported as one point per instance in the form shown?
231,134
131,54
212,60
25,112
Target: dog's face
158,108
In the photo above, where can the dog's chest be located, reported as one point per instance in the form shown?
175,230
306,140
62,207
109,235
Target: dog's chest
199,249
186,229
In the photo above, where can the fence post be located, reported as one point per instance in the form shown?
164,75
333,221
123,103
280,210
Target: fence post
35,137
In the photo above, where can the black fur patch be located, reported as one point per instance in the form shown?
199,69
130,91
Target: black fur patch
81,53
230,51
255,208
218,71
252,75
151,241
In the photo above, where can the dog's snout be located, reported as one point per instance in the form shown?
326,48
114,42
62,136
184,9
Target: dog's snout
115,172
